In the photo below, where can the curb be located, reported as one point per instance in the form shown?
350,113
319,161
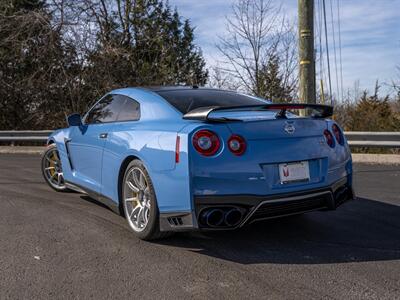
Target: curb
21,149
376,159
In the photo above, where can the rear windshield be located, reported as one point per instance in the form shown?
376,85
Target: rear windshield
187,100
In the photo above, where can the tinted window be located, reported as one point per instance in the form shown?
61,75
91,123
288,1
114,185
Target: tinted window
130,110
187,100
106,110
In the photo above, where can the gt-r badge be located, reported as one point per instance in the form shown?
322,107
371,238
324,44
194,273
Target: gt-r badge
289,128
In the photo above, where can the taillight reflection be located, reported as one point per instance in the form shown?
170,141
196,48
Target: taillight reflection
329,138
338,134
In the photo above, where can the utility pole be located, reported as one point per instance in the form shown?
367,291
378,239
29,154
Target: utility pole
306,51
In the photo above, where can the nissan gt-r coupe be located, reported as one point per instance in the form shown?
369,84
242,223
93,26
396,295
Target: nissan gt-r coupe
189,158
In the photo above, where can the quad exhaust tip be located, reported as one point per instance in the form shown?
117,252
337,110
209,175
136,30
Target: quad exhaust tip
221,217
233,217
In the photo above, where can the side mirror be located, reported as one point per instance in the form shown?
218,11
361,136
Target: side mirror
74,120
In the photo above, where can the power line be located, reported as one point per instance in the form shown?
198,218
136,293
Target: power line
327,51
317,36
334,48
320,44
340,48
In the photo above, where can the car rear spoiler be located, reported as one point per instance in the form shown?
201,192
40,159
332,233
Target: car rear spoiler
202,113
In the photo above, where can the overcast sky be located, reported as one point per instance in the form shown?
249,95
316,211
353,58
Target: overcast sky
370,34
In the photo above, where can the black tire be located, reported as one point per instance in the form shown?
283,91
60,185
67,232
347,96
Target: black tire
152,230
52,148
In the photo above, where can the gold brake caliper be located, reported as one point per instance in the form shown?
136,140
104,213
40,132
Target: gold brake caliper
136,197
52,165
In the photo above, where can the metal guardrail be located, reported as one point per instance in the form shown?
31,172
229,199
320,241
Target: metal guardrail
355,138
373,139
24,135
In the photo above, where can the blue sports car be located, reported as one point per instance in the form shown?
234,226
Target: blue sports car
189,158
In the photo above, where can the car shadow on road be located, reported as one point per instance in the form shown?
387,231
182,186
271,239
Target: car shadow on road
361,230
94,201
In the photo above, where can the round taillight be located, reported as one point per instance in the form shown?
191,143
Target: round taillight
206,142
338,134
329,138
237,144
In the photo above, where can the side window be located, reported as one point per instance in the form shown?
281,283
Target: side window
130,110
106,110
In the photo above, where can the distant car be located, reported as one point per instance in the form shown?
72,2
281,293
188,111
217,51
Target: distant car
189,158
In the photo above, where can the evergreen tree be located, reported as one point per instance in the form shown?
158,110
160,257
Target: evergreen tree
159,52
372,113
270,82
52,64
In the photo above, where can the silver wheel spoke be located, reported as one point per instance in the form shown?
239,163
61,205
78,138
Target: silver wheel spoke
133,210
49,159
145,214
139,218
131,199
142,181
59,178
132,187
135,179
139,180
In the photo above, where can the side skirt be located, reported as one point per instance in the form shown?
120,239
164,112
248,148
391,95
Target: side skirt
92,194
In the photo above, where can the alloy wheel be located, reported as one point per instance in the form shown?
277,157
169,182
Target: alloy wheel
137,199
52,169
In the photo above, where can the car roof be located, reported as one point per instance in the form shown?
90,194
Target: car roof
155,105
167,88
164,88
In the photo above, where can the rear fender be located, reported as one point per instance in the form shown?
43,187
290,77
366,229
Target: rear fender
170,179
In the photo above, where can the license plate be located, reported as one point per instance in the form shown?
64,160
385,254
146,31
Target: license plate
298,171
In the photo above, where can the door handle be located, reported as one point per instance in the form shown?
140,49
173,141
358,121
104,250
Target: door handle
103,135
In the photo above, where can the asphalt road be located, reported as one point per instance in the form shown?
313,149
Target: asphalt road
55,245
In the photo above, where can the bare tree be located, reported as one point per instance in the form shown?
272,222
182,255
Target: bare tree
221,79
396,84
259,35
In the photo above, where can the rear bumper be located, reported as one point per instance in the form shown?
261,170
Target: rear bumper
255,207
